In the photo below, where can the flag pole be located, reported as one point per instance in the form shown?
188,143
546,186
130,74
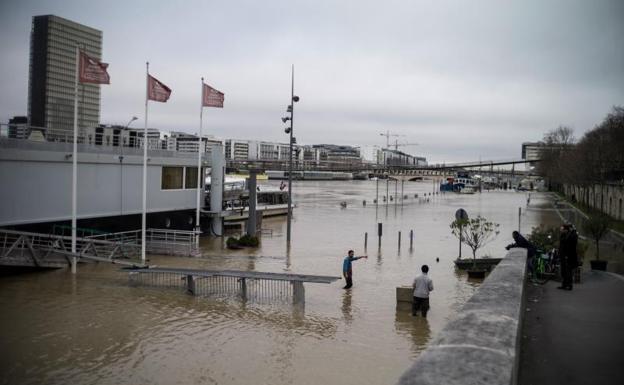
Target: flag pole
145,142
75,166
199,174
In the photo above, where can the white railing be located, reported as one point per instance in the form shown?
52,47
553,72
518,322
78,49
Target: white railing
158,241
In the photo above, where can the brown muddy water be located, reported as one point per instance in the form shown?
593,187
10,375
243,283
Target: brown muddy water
97,328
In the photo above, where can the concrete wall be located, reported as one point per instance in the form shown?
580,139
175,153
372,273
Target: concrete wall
35,182
481,344
608,198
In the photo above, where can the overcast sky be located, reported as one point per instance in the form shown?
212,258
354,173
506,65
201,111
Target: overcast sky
464,79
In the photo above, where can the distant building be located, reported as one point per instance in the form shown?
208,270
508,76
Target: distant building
338,154
532,150
18,127
51,76
389,157
236,149
183,142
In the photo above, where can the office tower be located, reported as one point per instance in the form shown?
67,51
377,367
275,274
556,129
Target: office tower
53,42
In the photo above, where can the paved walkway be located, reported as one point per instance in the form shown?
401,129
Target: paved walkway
574,337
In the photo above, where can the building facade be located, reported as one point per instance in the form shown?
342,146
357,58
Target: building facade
51,76
389,157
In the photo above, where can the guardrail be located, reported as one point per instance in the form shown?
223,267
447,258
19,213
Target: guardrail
158,241
481,344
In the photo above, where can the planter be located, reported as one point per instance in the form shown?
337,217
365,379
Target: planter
476,273
598,265
482,263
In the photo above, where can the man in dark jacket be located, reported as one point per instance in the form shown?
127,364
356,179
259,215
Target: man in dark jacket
520,241
567,254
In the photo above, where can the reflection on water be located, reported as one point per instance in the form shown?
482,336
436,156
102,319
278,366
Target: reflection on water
96,328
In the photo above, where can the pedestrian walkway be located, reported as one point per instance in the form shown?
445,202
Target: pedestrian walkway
574,337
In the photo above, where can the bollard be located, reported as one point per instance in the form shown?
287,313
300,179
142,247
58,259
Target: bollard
365,240
379,232
190,284
399,240
411,239
243,288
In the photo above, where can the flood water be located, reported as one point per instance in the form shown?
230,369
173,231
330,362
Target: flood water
96,328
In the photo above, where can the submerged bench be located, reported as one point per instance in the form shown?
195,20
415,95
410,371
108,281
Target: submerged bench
229,281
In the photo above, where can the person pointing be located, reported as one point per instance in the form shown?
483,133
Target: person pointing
347,270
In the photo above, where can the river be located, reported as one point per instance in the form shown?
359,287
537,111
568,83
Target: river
96,328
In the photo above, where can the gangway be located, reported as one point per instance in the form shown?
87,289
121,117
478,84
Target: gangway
246,284
21,248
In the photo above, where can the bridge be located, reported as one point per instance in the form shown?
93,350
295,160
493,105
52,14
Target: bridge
405,172
363,167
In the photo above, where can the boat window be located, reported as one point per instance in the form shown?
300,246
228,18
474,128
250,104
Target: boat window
190,179
172,178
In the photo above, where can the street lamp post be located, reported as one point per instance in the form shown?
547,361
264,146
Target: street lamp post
289,130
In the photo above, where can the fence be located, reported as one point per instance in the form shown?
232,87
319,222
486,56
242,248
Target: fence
157,241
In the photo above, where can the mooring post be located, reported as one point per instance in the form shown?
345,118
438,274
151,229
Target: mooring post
251,220
74,263
190,284
365,240
379,232
243,287
298,292
411,239
519,216
399,240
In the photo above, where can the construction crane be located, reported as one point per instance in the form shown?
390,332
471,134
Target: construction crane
388,135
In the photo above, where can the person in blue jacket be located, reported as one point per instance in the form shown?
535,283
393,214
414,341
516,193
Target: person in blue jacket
347,270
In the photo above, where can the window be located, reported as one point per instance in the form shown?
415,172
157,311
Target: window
191,177
172,178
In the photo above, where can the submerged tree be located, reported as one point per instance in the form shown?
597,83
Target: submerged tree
475,232
597,226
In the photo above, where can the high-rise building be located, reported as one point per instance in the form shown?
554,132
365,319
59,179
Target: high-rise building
51,79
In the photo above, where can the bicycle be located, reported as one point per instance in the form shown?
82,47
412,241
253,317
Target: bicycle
544,267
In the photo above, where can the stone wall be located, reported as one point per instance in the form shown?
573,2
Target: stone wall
608,198
481,344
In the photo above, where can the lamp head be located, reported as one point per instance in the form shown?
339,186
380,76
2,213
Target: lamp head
287,130
285,119
289,109
295,98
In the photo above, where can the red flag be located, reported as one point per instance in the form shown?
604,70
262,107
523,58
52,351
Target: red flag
212,97
92,71
156,90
